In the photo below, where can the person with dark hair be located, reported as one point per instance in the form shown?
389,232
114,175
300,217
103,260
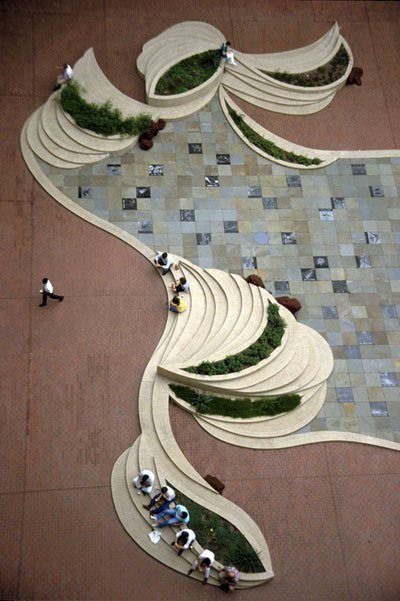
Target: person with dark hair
161,501
144,482
179,515
203,563
224,48
229,578
184,539
177,305
164,262
47,291
181,286
65,78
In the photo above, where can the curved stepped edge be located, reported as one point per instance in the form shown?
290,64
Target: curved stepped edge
248,78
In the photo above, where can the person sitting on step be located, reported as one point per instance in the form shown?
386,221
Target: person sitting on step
164,262
177,305
203,563
161,501
178,516
181,286
184,539
144,482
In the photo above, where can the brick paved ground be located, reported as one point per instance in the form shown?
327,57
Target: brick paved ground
70,373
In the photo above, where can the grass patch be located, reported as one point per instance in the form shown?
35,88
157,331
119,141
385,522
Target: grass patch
266,145
103,119
269,340
221,537
322,76
189,73
215,405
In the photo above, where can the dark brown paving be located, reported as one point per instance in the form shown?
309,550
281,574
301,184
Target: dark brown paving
70,373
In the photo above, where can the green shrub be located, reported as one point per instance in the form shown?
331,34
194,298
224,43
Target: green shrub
101,118
321,76
189,73
221,537
253,354
208,404
266,145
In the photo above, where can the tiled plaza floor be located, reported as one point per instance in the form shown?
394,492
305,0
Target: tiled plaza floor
330,237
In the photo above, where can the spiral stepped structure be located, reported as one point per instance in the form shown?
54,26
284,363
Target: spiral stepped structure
156,448
225,317
248,79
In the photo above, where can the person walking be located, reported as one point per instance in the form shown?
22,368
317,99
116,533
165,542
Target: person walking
203,563
184,539
65,78
48,290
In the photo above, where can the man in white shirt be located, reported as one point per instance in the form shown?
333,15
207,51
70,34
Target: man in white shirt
144,482
203,563
66,77
164,262
46,291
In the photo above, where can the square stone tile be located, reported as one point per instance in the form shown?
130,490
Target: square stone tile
376,191
249,262
372,238
326,215
203,239
129,204
308,275
363,261
344,394
378,409
321,262
143,192
352,352
211,181
281,286
231,227
270,202
293,181
187,215
388,379
389,311
223,159
359,169
156,169
338,202
365,337
339,286
145,227
195,148
288,238
254,191
330,312
114,169
85,192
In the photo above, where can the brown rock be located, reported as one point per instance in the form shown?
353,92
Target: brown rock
215,483
291,304
145,144
160,124
255,280
355,76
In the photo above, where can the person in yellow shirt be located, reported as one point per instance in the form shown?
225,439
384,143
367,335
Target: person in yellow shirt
177,305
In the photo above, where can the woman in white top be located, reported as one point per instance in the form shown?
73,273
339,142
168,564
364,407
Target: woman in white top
184,539
144,482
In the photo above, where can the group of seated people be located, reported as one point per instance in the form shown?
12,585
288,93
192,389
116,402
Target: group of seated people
160,510
164,262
